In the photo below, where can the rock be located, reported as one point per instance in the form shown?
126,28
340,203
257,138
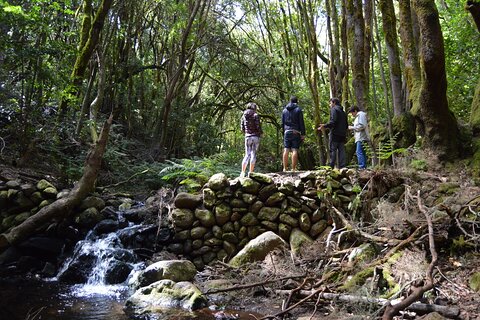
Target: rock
260,177
433,316
88,218
258,248
43,184
218,182
94,202
305,223
182,218
174,270
474,282
298,239
50,193
209,198
269,214
249,185
249,219
165,294
222,213
275,199
187,201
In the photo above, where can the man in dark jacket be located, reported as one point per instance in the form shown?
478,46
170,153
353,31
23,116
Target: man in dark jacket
338,126
293,128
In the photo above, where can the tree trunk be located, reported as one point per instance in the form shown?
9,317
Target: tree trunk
474,8
85,51
356,39
63,207
391,41
410,54
436,123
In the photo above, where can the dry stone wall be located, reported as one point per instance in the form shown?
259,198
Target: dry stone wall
218,223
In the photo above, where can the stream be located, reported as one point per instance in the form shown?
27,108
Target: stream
96,262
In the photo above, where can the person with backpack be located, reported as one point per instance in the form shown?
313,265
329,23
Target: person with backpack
338,126
293,128
360,130
251,128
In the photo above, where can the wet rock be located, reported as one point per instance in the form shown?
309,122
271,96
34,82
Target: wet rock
165,294
175,270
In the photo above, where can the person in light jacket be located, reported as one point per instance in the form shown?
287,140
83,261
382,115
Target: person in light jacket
360,130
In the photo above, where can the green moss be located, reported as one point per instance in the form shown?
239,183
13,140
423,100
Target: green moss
358,279
419,165
474,282
475,162
449,187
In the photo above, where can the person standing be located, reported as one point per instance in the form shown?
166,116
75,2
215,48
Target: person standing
360,130
251,128
338,125
293,128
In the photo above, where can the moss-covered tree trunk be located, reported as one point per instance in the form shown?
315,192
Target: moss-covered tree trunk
474,8
412,72
356,39
436,123
391,41
89,37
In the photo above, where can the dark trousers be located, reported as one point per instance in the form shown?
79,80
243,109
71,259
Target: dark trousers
336,146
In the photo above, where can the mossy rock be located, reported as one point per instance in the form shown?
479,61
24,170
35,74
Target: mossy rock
474,282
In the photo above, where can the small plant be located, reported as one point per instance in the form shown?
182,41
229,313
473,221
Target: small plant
419,165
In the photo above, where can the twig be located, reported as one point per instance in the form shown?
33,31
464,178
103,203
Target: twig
251,285
125,181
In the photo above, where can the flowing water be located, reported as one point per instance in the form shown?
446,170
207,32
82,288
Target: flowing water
49,299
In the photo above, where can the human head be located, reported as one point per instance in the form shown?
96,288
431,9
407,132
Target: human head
252,105
335,101
353,110
293,99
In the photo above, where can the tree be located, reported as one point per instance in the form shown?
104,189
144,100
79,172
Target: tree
474,8
437,124
391,41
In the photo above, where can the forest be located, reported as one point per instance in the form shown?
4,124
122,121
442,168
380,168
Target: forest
176,77
135,96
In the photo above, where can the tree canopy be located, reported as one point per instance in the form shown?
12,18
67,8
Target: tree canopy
177,74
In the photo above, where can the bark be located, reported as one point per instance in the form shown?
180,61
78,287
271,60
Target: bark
437,124
356,39
180,65
62,207
475,113
391,41
87,45
410,54
474,8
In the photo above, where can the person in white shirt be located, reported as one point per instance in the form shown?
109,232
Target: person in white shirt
360,130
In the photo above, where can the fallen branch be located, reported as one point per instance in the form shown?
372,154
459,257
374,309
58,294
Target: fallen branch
417,291
125,181
361,233
251,285
450,312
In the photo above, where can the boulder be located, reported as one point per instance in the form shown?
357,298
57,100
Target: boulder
258,248
218,182
175,270
164,294
187,201
298,239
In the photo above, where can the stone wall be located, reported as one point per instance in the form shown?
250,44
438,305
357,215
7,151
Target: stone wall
229,213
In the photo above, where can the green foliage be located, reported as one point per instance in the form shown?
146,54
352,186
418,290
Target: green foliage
419,165
194,173
387,149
